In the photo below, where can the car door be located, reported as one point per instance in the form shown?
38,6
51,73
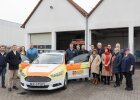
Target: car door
78,67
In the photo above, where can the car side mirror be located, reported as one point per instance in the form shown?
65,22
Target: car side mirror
72,62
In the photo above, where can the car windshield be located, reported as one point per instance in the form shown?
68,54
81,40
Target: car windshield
80,58
49,59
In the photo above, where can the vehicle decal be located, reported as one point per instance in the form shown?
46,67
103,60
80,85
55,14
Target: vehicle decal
42,67
40,73
77,66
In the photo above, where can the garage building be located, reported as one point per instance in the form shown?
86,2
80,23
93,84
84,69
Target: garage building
109,22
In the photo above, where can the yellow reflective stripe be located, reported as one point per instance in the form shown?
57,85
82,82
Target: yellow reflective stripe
20,66
59,69
84,65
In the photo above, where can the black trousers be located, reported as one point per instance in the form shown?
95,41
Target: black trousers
95,75
106,79
129,81
121,77
101,78
117,75
2,73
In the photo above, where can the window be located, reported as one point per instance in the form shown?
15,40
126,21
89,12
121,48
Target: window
80,58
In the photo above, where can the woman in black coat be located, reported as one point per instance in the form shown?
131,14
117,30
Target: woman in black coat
127,68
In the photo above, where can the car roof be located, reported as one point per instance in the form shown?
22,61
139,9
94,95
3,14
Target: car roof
61,52
54,53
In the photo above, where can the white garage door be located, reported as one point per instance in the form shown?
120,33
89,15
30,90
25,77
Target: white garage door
41,41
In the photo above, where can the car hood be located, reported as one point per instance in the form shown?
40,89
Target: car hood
42,68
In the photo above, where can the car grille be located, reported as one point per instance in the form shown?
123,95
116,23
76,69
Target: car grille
37,86
37,79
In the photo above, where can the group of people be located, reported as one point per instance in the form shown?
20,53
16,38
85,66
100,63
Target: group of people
12,58
105,63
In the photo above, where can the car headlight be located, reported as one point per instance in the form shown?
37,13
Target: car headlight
57,74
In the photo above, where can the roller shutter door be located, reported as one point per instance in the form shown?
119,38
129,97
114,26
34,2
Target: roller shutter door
41,41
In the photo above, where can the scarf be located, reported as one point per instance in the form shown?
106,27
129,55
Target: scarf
94,56
107,54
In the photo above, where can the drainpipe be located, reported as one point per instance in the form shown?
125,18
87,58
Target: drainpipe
86,33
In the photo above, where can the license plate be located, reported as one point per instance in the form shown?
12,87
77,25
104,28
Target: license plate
78,72
37,84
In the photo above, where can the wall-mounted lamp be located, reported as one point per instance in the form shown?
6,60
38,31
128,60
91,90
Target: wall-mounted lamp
51,7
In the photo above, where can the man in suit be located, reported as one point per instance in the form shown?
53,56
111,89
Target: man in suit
3,65
14,59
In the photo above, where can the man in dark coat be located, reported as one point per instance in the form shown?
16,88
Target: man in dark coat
70,53
116,60
3,65
14,59
128,68
83,50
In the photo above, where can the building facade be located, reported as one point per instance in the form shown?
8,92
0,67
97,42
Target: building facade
55,23
116,21
11,33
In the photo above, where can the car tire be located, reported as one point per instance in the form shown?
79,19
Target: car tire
65,82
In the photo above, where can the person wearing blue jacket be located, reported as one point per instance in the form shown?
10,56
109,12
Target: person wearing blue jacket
116,66
32,53
3,65
128,68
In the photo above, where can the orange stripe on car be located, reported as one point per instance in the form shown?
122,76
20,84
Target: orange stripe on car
74,66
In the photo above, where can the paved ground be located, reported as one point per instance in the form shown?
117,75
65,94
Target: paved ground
78,91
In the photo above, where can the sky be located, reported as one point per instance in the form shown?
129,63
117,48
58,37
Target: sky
18,10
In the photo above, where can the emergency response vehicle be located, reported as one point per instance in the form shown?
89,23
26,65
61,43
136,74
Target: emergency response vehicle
50,71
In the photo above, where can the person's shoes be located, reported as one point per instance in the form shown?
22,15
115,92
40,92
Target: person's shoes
93,81
126,88
108,83
116,85
9,89
80,79
96,81
14,87
129,89
3,86
86,79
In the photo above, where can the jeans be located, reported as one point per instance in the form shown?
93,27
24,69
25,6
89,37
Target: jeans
2,73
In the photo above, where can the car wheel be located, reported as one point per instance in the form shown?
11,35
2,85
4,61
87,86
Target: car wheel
65,82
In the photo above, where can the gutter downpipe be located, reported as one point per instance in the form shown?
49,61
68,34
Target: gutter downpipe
86,33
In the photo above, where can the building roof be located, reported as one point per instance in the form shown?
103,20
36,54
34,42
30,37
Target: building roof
28,18
80,9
